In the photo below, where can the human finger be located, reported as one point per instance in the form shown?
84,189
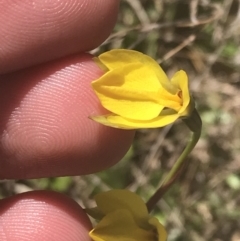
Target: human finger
36,31
44,126
43,216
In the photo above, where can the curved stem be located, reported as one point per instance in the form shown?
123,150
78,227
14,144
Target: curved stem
194,124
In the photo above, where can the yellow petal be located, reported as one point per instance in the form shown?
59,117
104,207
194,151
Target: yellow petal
123,199
131,91
180,79
161,232
123,123
118,58
120,226
170,101
103,119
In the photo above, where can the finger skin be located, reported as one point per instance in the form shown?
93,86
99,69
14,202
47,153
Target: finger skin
44,126
35,31
43,216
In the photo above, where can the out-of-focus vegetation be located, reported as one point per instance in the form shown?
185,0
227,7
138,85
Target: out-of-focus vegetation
203,38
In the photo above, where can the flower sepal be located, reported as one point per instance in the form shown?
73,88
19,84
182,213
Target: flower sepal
193,121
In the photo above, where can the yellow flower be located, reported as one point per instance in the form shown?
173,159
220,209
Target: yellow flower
124,217
138,93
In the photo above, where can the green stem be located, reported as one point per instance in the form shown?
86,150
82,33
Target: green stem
194,123
191,144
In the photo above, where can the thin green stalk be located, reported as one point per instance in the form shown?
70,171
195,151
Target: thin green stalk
180,161
194,123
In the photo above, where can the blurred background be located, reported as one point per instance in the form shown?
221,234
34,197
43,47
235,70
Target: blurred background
201,37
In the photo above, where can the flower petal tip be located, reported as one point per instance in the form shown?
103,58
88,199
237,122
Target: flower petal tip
101,119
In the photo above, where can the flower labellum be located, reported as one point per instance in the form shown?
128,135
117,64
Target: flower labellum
137,93
124,217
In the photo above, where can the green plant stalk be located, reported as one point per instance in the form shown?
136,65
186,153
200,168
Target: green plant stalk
195,125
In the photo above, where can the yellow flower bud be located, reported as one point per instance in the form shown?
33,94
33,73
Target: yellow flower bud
124,216
138,93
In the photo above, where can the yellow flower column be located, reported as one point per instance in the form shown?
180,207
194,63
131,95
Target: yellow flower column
137,92
124,217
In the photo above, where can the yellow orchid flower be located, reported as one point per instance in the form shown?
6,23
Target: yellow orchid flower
124,217
138,93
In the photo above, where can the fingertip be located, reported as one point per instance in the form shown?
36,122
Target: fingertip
34,32
42,215
45,126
